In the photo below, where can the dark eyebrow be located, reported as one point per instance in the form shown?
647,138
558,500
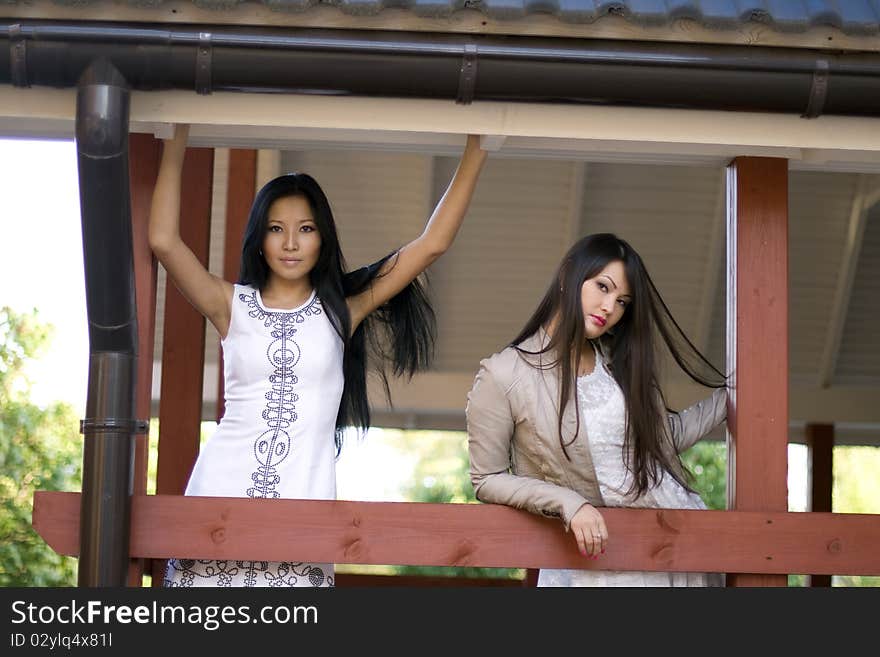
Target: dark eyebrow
615,285
298,221
610,279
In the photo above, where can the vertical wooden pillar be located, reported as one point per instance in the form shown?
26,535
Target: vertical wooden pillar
240,191
820,445
758,341
143,167
183,343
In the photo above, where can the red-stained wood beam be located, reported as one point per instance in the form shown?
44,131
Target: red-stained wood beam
820,443
477,535
240,191
183,341
144,151
531,580
758,342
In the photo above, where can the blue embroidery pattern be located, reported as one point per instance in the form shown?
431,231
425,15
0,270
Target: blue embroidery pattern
273,445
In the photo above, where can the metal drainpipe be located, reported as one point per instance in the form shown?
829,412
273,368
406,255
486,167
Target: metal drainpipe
102,111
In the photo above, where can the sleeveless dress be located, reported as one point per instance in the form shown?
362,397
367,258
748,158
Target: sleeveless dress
602,408
283,384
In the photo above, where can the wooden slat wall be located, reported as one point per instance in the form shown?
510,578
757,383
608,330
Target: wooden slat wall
818,226
491,280
859,360
758,424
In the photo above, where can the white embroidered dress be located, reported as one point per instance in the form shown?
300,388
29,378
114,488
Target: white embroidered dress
602,408
283,384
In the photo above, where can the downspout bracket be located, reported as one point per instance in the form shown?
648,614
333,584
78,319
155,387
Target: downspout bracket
203,64
113,425
18,56
818,90
467,79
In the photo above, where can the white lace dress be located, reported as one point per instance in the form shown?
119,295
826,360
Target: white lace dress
602,408
283,384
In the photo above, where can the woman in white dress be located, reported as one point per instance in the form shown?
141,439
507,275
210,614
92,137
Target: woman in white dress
570,417
295,331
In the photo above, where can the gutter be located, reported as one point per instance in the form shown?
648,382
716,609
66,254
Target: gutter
463,68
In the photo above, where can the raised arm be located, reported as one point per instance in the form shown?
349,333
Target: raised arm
209,294
439,233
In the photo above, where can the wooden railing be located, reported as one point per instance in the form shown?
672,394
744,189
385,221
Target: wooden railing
484,535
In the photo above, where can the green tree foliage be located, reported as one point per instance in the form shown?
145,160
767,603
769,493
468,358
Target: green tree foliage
856,481
39,450
856,489
707,462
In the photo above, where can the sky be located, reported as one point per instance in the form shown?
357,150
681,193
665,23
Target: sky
41,266
41,260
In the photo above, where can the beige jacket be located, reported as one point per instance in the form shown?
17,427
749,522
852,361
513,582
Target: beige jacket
513,439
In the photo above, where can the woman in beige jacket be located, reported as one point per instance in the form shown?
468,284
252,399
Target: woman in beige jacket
589,350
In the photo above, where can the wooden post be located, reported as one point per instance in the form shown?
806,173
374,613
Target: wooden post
183,343
143,165
240,190
758,341
820,443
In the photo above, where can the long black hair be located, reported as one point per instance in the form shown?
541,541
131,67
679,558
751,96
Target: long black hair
630,349
398,336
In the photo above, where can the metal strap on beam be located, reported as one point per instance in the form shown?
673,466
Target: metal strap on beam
203,64
818,90
18,56
467,80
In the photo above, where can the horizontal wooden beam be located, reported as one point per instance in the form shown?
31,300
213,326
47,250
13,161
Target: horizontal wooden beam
477,535
228,119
